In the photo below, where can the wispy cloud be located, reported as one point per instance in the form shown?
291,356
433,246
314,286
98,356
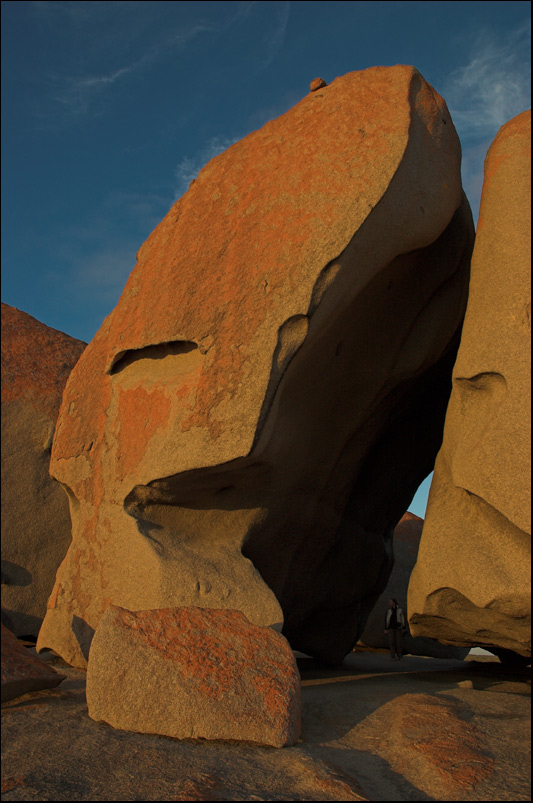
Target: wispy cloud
90,280
127,36
275,39
102,46
494,85
105,79
75,96
75,9
189,167
94,258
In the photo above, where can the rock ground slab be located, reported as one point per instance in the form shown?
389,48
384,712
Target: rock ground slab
52,750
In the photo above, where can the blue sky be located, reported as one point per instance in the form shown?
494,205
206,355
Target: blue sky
109,109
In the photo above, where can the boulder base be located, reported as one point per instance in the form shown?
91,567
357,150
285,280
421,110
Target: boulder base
194,673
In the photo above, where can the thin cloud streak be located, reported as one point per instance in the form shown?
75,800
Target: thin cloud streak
494,86
104,79
95,257
189,167
275,41
77,10
77,94
484,94
98,275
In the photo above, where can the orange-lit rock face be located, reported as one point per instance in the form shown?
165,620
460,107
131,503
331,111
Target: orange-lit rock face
293,311
36,362
472,582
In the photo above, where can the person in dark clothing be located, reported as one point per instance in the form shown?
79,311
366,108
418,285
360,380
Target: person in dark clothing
394,628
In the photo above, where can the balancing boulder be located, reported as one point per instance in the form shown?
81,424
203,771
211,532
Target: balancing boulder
254,417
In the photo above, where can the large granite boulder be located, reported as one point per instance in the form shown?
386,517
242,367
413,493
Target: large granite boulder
254,417
21,671
406,541
194,673
472,581
36,362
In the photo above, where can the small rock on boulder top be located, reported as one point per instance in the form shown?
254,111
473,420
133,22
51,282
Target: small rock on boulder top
21,671
36,363
194,673
317,83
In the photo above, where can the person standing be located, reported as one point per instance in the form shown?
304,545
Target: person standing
394,628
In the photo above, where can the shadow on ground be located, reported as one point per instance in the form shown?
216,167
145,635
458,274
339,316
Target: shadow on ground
350,748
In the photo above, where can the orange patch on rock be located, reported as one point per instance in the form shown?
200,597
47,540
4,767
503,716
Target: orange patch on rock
170,632
141,413
36,360
434,728
212,659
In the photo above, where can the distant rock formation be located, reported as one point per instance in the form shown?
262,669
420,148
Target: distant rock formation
36,362
472,581
21,671
406,541
193,673
254,417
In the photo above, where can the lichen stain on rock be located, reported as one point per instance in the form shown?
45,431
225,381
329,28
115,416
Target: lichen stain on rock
224,652
451,744
209,661
141,413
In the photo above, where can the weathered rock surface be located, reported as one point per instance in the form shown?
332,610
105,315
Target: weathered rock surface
363,725
431,741
277,366
194,673
36,361
22,672
406,541
472,581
